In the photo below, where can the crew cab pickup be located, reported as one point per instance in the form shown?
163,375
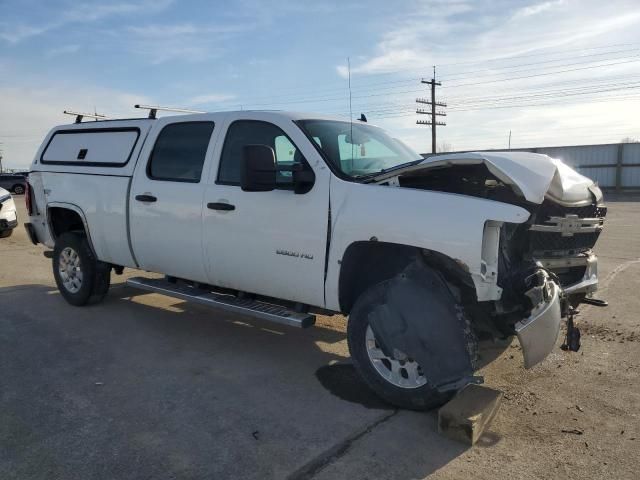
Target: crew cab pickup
283,216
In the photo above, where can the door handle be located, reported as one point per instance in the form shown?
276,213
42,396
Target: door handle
146,198
221,206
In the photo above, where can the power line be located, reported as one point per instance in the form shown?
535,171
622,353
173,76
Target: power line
341,98
472,73
504,58
456,104
547,73
467,74
383,86
522,105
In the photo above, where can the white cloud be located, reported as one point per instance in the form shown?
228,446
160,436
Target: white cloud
439,32
86,11
16,33
537,8
92,11
416,35
64,50
210,98
161,43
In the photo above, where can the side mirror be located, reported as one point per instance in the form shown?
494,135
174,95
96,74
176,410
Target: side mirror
303,179
258,172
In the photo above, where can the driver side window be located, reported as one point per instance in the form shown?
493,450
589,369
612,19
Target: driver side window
254,132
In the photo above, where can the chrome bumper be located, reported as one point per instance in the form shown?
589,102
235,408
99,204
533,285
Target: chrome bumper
538,333
589,281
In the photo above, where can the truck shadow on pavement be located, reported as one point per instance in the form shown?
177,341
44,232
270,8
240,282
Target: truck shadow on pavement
149,386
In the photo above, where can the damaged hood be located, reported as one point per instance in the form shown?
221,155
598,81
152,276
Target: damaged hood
531,175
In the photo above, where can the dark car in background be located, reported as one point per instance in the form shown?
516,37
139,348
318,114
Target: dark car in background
14,182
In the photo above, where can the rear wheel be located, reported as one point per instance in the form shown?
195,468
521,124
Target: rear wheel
80,277
18,189
6,233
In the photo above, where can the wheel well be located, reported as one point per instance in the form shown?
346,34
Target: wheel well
64,220
367,263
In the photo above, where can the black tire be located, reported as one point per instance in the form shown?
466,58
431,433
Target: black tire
6,233
96,275
18,189
424,397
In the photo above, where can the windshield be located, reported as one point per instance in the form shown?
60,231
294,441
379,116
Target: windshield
357,149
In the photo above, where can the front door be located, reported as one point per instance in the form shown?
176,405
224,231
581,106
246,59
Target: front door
269,243
166,200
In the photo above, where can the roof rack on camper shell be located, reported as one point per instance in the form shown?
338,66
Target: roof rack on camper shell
153,110
80,115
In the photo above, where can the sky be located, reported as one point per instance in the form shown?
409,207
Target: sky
558,72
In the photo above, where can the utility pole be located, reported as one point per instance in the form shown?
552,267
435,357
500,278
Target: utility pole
509,139
433,122
0,158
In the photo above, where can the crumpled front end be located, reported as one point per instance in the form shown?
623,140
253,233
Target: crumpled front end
561,237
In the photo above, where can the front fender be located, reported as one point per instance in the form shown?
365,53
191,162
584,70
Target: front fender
452,224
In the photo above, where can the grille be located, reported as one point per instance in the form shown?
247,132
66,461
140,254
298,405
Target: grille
549,242
550,209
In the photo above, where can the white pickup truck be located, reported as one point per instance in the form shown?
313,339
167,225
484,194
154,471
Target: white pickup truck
285,215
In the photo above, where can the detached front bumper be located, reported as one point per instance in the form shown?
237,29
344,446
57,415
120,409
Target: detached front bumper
538,333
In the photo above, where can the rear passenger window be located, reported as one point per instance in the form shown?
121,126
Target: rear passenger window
179,152
254,132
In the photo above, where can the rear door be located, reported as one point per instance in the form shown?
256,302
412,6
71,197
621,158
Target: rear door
269,243
166,197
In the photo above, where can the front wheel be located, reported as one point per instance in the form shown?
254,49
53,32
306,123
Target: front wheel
6,233
80,277
400,381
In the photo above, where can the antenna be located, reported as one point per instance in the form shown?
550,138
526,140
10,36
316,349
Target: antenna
350,111
153,109
79,115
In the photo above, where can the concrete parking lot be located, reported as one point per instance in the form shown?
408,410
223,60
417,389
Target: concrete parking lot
145,386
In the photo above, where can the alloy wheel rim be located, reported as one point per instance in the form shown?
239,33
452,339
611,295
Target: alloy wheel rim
70,270
403,373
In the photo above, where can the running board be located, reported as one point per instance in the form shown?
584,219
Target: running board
230,303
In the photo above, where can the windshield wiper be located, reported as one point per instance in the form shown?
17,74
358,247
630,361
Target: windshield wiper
373,176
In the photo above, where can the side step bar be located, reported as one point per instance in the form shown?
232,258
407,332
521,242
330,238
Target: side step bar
230,303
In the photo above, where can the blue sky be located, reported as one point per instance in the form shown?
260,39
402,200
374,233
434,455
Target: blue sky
292,55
